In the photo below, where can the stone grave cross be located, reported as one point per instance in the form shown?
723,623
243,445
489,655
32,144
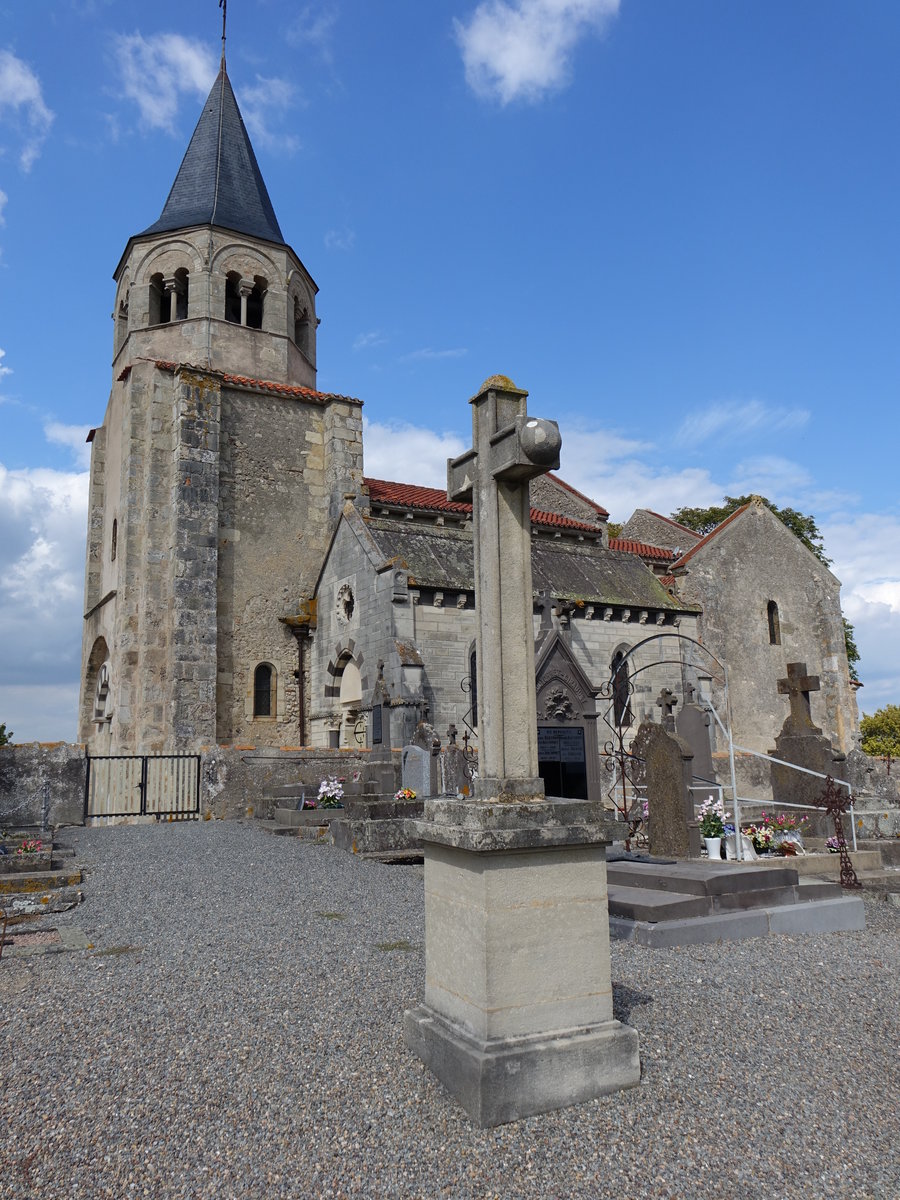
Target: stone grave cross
509,448
798,685
666,702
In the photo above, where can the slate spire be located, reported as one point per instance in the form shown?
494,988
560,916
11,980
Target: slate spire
219,181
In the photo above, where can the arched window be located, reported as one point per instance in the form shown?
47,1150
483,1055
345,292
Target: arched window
774,624
255,302
621,690
301,326
180,294
113,545
160,301
122,321
233,297
263,691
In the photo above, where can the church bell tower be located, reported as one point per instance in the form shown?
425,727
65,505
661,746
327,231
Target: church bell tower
217,471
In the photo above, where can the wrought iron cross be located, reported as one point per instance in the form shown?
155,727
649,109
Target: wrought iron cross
837,801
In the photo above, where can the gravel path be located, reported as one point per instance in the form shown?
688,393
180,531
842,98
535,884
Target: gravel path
234,1033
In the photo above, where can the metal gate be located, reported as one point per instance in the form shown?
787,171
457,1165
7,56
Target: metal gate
135,785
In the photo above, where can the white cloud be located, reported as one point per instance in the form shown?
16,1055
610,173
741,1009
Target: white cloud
3,202
615,471
732,420
155,72
269,98
520,49
409,452
429,355
778,479
22,107
41,593
313,27
367,341
340,239
73,436
866,553
4,370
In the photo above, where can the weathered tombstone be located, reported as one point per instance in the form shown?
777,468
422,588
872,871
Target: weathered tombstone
803,744
380,772
455,767
416,771
568,755
692,724
666,702
381,717
517,1017
668,772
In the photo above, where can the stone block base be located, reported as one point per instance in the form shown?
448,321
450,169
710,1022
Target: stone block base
509,1078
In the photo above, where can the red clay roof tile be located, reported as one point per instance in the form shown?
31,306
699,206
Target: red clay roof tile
266,385
644,549
408,495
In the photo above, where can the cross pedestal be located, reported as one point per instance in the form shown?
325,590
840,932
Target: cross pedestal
517,1017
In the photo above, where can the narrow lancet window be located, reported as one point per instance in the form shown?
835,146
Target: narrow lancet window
262,691
774,624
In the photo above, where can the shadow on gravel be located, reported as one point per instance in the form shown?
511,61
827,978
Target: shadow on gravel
625,999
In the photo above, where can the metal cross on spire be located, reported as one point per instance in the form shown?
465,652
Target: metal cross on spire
223,4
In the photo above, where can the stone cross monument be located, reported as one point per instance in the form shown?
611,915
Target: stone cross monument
797,686
517,1017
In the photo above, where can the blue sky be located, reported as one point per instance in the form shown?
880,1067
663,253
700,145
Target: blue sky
674,223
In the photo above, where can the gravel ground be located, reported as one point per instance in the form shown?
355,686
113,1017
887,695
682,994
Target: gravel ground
234,1033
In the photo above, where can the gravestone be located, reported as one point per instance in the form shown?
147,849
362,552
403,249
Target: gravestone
416,771
517,1017
568,754
803,744
666,702
693,725
668,773
456,778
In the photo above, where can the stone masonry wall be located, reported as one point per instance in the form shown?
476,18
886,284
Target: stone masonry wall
192,708
273,530
42,784
753,561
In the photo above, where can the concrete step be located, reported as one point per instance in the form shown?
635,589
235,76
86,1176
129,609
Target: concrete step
702,878
375,837
828,866
395,857
648,904
307,817
27,904
37,881
844,913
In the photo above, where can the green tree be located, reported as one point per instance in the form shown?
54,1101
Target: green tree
5,738
852,651
881,732
704,520
614,528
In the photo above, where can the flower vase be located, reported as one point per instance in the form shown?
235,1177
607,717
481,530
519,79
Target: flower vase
714,848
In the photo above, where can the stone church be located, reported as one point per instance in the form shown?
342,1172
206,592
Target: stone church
247,584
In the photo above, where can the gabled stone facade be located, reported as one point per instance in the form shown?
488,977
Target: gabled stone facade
766,600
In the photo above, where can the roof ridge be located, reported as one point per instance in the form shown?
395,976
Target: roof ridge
672,521
403,494
575,492
264,385
635,546
709,536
